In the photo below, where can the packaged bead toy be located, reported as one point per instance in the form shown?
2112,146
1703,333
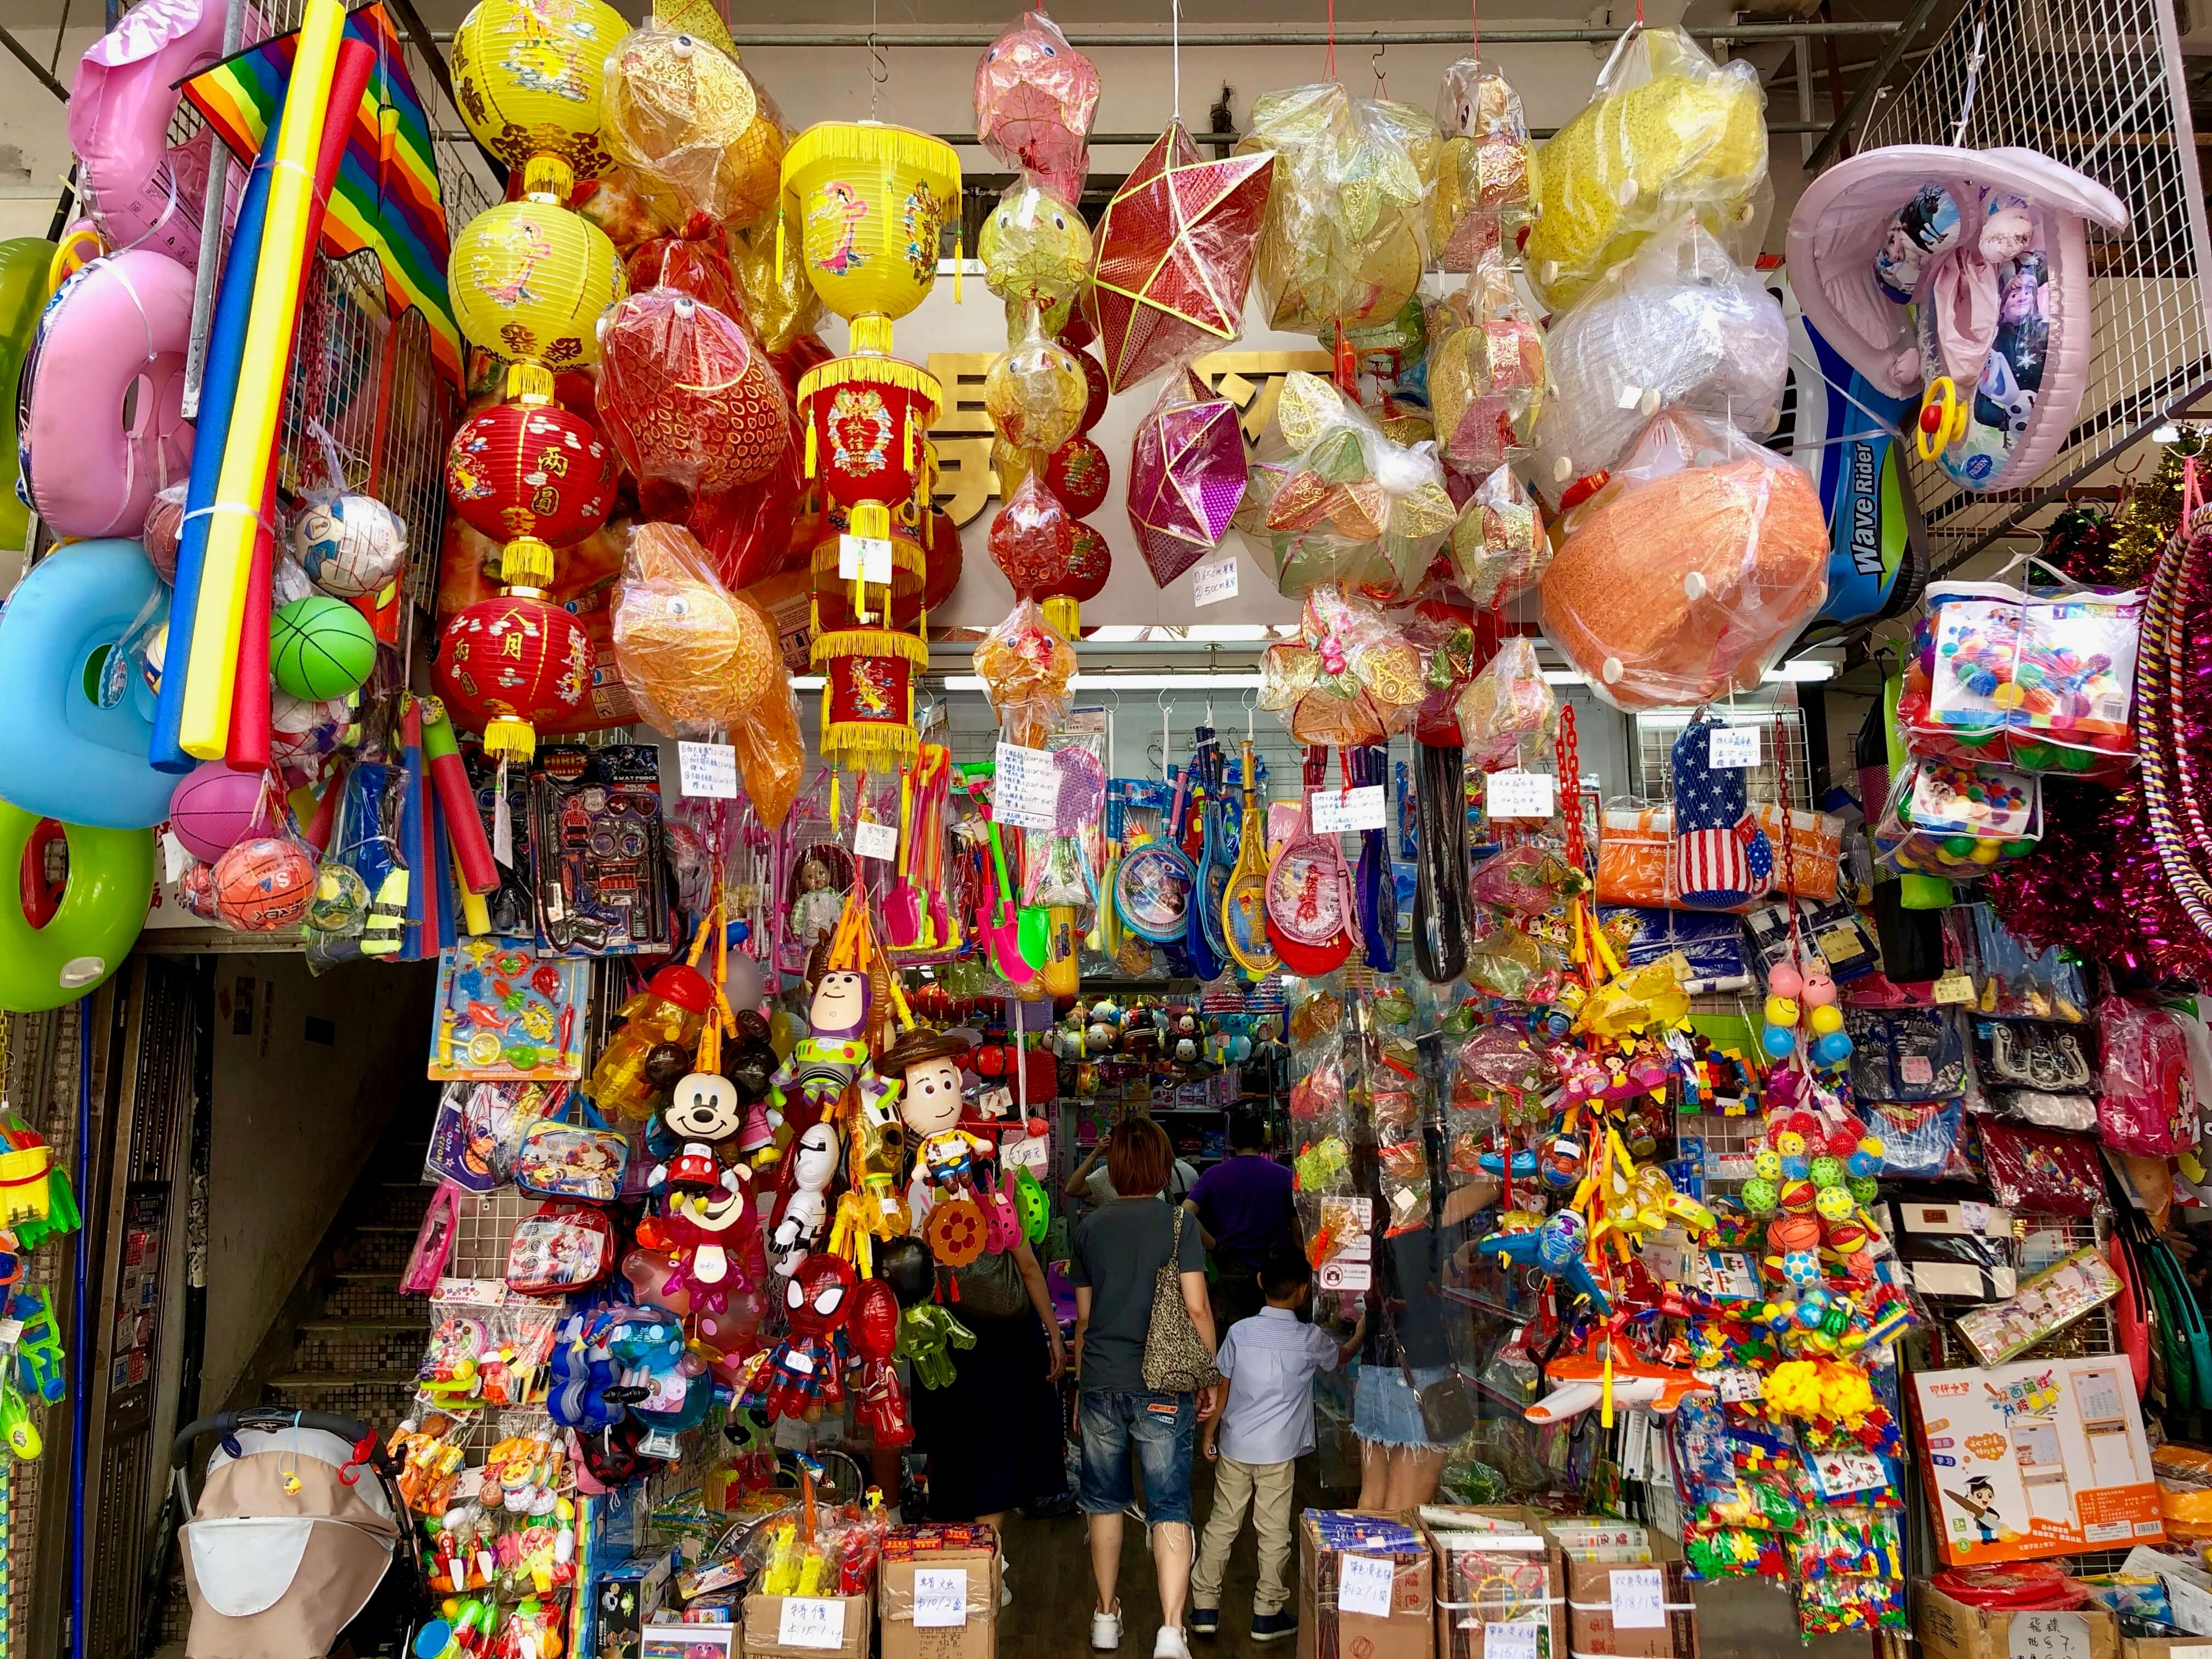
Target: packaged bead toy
1944,819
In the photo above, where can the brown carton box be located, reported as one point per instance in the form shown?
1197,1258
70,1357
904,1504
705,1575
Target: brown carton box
1950,1629
1592,1596
976,1637
1408,1632
2166,1646
1512,1578
851,1617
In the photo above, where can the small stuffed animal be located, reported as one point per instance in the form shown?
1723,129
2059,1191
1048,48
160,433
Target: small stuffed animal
1723,858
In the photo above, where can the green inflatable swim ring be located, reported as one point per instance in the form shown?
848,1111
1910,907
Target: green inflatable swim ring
102,909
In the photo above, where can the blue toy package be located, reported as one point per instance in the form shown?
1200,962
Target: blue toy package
1712,943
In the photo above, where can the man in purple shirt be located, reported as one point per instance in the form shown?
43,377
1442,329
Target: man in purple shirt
1243,1209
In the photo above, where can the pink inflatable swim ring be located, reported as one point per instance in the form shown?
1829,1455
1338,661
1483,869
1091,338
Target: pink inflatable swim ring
141,192
99,413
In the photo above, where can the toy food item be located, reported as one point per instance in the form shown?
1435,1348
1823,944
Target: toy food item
1965,272
1685,576
1341,244
1186,475
1668,129
1681,326
1035,97
1481,200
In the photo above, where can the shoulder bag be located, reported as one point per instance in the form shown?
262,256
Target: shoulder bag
1177,1360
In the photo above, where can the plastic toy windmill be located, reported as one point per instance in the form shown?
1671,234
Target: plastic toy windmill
1035,97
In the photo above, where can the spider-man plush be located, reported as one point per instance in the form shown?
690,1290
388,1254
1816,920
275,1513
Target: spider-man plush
807,1370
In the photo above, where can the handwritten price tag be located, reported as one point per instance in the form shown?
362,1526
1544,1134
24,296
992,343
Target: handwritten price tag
809,1621
1210,584
1029,1152
1734,745
1954,987
1026,791
940,1598
872,840
1336,810
1639,1599
1520,794
1514,1641
2047,1636
707,770
868,557
1363,1585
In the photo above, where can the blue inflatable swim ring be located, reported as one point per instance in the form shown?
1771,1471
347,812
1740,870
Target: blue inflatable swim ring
63,755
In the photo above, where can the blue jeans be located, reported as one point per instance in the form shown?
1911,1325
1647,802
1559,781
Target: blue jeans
1157,1429
1387,1413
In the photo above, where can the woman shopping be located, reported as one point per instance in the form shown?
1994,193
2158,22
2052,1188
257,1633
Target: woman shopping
1144,1350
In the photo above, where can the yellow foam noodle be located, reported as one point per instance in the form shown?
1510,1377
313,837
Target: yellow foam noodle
475,915
213,666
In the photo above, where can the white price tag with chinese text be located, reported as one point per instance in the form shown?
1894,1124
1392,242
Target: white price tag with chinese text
1520,794
1210,584
1025,792
1031,1153
1639,1599
941,1597
2047,1636
1734,745
707,770
1514,1641
1840,1472
872,840
175,861
808,1621
1363,1585
1336,810
868,557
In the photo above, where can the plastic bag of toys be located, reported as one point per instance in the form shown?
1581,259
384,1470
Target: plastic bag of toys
1481,200
1331,499
1680,326
1341,243
1668,130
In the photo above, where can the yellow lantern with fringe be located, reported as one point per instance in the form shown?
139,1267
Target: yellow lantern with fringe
868,201
527,76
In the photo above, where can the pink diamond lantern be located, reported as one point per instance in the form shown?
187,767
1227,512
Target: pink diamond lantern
1186,475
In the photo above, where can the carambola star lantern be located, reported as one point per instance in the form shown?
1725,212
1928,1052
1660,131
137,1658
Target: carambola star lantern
1186,475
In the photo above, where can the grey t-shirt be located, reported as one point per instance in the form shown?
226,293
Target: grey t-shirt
1119,1251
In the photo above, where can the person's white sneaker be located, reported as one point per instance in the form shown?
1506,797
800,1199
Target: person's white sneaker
1169,1643
1106,1630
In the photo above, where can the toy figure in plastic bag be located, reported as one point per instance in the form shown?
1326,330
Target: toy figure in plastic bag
685,396
1035,97
1691,571
1349,679
1333,499
1025,664
1481,198
678,110
1668,129
1034,246
1485,373
1342,242
1683,326
1507,713
1498,546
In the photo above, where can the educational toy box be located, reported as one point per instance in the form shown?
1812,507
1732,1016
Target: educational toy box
1369,1595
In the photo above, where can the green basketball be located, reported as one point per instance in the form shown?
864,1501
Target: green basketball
320,647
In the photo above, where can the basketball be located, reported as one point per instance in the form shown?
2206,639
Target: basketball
321,648
212,808
353,546
165,526
262,885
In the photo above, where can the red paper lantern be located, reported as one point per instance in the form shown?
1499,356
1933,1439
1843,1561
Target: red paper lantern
1087,567
941,558
1032,539
1094,373
686,396
1078,473
529,470
508,663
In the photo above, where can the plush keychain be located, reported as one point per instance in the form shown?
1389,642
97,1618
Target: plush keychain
1723,858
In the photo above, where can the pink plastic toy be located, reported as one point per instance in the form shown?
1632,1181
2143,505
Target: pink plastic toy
142,193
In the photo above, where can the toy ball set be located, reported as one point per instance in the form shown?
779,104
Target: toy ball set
1717,1126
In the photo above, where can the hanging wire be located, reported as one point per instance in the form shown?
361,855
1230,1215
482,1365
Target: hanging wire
1332,40
1175,55
1474,26
1374,62
879,68
1973,80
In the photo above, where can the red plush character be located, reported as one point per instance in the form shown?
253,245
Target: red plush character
874,1326
807,1372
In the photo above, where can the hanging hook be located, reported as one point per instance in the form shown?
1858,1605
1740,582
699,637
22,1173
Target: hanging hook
1374,62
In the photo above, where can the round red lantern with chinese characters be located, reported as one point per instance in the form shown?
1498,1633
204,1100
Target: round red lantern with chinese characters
529,470
1078,473
1094,375
506,664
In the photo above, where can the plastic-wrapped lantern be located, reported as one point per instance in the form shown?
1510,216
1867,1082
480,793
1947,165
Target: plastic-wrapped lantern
1035,393
1186,475
527,76
1032,540
682,115
1034,246
1035,97
509,664
686,397
530,476
530,278
1090,563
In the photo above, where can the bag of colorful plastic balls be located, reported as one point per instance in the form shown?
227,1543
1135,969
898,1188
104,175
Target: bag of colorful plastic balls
1481,200
1342,242
1330,499
2044,682
1680,326
1668,130
1945,819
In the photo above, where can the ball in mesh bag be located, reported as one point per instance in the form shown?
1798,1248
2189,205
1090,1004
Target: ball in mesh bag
262,885
350,546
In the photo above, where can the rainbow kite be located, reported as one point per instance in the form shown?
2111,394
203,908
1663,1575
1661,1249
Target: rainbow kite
388,196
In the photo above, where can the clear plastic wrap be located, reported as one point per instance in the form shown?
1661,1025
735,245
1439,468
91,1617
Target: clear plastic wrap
2146,1104
680,114
1186,475
1668,130
2041,1169
1487,373
1036,392
1507,714
1498,546
1481,198
1680,326
1331,499
1342,240
1690,573
1033,246
1035,97
770,272
1351,679
1025,664
685,394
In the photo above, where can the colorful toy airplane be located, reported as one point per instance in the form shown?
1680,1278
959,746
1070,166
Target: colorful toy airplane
1558,1249
1621,1378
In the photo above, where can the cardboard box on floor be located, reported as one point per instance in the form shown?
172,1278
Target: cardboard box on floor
1608,1600
1511,1579
2165,1647
1409,1632
807,1627
1950,1629
976,1634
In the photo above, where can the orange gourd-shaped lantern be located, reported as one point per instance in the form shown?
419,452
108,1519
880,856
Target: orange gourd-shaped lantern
507,665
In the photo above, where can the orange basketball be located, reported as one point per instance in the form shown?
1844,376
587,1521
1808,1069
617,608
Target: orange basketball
263,884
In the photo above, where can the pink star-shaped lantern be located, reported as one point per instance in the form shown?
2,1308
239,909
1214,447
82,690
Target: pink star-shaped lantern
1186,475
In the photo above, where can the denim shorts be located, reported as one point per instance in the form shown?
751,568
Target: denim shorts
1157,1429
1386,1412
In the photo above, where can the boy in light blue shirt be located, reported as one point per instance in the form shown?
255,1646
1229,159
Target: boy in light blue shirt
1268,1424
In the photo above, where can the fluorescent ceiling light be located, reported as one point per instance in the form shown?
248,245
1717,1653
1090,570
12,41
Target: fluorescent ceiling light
1805,668
808,682
1132,683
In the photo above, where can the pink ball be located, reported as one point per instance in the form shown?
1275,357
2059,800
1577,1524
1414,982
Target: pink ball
1819,988
1784,980
213,808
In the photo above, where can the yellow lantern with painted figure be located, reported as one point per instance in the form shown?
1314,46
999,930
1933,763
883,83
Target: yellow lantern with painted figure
867,202
527,76
530,278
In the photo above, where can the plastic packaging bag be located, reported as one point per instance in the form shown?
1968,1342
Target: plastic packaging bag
1485,373
1341,241
685,395
1351,679
690,124
1682,326
1481,200
1507,713
2146,1106
1690,571
1498,546
1668,129
1025,664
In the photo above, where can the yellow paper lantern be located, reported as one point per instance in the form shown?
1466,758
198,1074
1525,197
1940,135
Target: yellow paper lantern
866,203
530,278
527,73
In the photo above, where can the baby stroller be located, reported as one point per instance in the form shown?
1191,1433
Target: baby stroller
298,1525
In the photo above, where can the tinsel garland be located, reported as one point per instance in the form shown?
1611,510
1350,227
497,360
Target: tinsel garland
2148,517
